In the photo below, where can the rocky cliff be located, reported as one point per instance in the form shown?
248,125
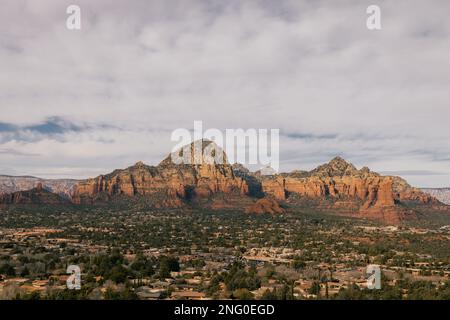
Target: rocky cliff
170,183
205,179
359,192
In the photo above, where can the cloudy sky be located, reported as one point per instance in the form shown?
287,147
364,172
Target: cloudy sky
81,103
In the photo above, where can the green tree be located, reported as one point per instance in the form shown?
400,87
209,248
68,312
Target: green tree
8,270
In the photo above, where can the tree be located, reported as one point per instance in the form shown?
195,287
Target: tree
126,294
142,266
164,272
8,270
170,263
243,294
238,278
214,285
315,288
118,274
25,272
298,264
270,295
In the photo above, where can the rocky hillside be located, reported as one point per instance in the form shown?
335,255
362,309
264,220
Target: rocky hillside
349,191
168,183
442,194
10,184
338,179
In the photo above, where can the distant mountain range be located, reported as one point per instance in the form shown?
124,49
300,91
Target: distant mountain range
37,195
442,194
62,187
335,187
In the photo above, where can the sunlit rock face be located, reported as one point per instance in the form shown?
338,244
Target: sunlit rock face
196,178
374,196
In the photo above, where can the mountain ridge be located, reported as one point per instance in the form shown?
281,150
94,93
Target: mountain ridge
37,195
62,187
442,194
336,186
172,183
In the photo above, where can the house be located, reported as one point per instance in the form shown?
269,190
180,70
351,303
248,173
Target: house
148,293
189,295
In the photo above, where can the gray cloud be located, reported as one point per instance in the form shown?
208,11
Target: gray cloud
104,97
53,127
303,135
415,173
17,153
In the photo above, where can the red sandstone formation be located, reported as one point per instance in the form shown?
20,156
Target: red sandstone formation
336,187
265,205
169,180
378,197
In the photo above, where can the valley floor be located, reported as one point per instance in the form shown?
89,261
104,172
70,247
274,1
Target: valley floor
129,253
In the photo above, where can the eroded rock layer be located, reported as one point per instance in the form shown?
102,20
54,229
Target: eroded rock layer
375,196
169,180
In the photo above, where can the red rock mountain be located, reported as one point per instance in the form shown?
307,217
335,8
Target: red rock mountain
350,191
170,183
336,187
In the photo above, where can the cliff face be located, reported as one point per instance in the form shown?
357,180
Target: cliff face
36,195
336,187
373,196
171,182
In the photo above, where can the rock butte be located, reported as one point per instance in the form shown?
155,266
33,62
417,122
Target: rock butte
171,182
374,196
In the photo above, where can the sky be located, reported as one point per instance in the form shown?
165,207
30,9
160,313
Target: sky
78,103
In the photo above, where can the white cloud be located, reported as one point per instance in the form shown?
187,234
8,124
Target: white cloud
149,67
